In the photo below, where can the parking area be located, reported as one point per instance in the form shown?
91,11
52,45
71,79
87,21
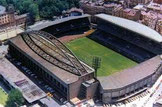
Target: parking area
38,81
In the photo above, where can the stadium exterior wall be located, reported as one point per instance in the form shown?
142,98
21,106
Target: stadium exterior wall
69,91
74,88
120,94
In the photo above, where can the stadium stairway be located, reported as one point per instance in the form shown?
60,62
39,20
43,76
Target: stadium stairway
88,89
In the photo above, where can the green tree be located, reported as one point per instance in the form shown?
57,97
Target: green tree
41,8
34,11
15,98
3,2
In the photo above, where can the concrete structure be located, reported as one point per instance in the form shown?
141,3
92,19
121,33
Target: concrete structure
118,11
159,26
9,19
158,103
155,7
157,1
93,8
75,12
139,7
129,82
54,62
109,8
16,79
48,58
6,16
48,24
127,13
132,3
131,26
10,33
152,20
149,18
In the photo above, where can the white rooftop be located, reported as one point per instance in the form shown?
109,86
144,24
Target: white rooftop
132,26
2,9
31,92
138,7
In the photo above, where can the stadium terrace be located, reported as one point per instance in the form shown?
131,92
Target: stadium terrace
48,57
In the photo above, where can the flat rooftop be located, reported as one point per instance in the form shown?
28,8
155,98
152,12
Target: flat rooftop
132,26
10,33
130,75
31,92
2,9
55,71
44,24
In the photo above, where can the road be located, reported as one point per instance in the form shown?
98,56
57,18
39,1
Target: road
155,94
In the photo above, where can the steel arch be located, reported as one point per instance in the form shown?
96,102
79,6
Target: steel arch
54,51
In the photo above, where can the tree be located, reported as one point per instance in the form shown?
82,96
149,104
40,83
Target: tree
15,98
34,11
3,2
41,8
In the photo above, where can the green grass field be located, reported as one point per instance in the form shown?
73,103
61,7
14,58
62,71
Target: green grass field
111,61
3,97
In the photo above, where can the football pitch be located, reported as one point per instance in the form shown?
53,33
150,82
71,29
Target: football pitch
85,49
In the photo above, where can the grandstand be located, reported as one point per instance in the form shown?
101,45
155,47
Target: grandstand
128,37
130,31
135,41
49,58
65,25
122,46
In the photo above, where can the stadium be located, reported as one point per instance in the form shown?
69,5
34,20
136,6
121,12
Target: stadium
130,57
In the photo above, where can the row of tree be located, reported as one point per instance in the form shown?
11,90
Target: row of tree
15,99
41,8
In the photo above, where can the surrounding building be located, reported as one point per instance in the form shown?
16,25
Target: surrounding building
109,8
152,19
118,11
6,15
8,18
157,1
132,3
158,103
159,26
155,7
75,12
14,78
127,13
149,19
142,11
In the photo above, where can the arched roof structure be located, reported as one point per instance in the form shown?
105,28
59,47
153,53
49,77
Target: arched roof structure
54,51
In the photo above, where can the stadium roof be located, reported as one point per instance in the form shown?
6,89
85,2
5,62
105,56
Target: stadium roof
17,79
132,26
67,77
130,75
61,71
44,24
